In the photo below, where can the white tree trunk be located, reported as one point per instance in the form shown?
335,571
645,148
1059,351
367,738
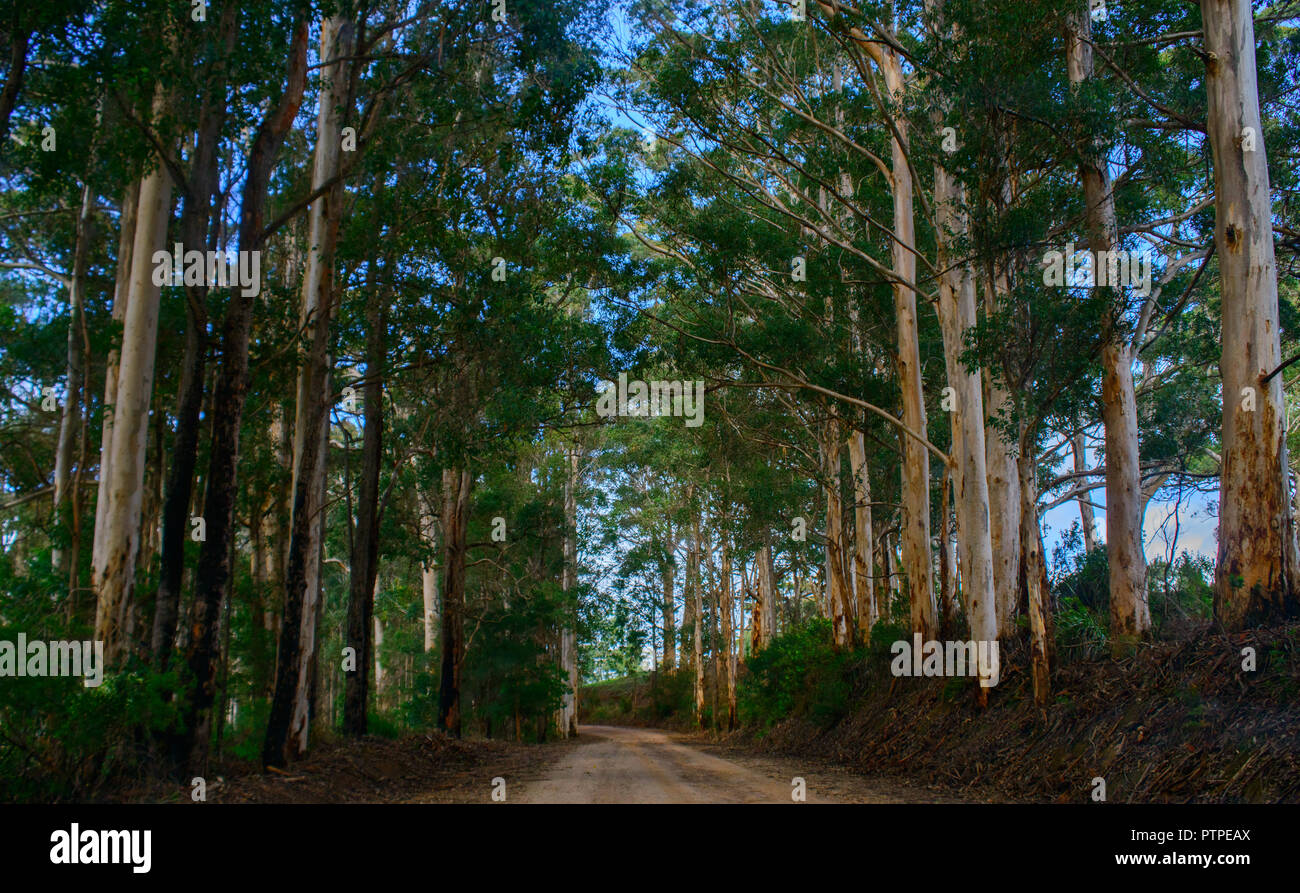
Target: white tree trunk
315,311
1255,579
113,576
1004,494
863,545
970,470
121,295
838,607
916,459
429,571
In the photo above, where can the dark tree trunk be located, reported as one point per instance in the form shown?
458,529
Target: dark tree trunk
455,523
213,576
365,543
180,477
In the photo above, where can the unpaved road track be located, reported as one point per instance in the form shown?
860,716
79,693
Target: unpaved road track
625,765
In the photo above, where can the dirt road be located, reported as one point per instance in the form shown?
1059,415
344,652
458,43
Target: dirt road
627,765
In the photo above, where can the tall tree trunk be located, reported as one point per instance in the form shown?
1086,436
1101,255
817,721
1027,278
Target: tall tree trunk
726,610
947,560
114,568
697,605
121,295
365,541
837,588
214,568
767,581
970,452
1130,619
1255,580
669,571
1035,569
455,519
1086,518
863,545
568,724
1004,490
429,570
70,420
295,666
916,459
195,221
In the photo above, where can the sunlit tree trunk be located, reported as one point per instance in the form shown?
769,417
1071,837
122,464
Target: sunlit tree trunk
1004,491
114,568
568,717
916,458
725,610
1255,580
863,542
121,295
837,596
429,570
1035,573
970,469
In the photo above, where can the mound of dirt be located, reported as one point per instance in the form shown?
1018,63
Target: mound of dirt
1178,722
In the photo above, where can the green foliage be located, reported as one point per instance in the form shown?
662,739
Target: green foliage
798,673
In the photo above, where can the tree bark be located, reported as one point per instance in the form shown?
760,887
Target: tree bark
970,452
669,572
365,541
868,611
121,295
1255,579
70,420
697,605
568,717
455,519
916,459
429,571
113,576
726,610
1004,492
838,608
1039,606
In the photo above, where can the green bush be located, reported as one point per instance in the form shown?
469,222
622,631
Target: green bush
798,673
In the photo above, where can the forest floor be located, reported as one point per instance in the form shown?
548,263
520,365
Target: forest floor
604,764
